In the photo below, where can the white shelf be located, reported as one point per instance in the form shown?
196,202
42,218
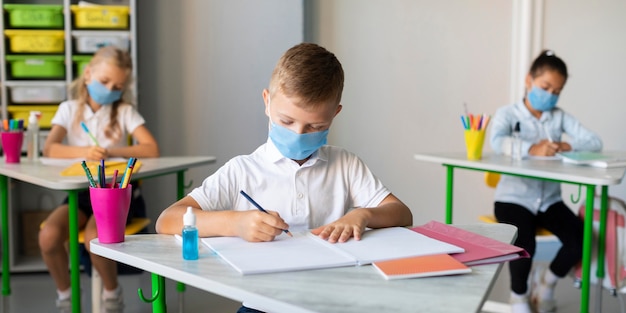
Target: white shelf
19,201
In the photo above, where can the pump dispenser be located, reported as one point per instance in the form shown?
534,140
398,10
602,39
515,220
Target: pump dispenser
190,235
32,136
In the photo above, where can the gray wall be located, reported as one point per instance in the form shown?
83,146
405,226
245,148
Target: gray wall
202,68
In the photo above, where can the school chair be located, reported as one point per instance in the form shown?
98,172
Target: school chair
136,225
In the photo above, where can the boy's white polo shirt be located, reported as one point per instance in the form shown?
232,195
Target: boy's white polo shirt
332,182
127,116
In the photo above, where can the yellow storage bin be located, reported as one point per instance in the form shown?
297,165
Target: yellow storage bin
101,16
36,41
23,112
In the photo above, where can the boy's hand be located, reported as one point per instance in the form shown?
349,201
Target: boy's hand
257,226
96,153
544,148
350,225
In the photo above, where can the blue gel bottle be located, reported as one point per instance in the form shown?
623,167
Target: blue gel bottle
190,236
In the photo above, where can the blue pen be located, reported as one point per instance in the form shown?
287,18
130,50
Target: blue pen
130,164
103,183
463,121
82,124
260,208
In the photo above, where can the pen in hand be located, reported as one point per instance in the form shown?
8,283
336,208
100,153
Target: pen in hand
95,141
261,209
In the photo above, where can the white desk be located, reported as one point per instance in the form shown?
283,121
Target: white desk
553,170
345,289
48,176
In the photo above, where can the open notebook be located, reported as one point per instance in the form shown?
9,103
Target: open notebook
306,251
595,159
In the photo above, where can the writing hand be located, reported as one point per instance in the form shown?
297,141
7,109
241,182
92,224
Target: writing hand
544,148
96,153
257,226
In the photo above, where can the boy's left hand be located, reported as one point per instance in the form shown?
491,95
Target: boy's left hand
350,225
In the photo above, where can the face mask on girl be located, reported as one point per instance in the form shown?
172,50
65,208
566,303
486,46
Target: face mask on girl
542,100
293,145
101,94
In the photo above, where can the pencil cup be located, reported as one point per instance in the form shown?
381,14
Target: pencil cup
12,146
474,140
110,208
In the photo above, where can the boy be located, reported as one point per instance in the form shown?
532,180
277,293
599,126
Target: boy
301,181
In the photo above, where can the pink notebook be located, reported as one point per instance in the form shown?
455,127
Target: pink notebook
478,249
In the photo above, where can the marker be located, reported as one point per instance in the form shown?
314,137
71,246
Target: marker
95,141
92,183
260,208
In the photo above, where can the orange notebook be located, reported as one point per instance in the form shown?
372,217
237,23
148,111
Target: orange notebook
76,169
421,266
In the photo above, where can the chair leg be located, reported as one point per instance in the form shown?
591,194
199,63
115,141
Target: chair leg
96,291
180,287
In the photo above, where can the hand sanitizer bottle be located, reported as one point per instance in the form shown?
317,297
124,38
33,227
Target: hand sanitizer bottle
32,136
190,236
516,144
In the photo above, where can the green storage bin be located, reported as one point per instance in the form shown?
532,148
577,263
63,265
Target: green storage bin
81,61
34,15
37,66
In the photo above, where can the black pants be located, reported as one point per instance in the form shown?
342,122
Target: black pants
559,220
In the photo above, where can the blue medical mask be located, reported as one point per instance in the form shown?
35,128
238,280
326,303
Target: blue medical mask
293,145
542,100
101,94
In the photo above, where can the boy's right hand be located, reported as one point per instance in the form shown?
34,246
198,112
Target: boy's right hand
544,148
96,153
257,226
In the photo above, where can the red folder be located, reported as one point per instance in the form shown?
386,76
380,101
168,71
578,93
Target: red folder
478,249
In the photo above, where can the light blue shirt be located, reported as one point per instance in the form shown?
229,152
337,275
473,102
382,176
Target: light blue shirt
533,194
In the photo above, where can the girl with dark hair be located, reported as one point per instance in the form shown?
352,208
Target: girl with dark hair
529,203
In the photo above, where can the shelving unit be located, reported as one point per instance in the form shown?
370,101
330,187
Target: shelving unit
25,197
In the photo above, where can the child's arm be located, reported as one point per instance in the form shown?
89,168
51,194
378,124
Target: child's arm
582,139
146,146
390,212
54,148
252,225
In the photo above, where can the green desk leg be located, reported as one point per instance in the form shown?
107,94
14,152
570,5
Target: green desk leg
6,267
158,288
449,193
74,255
588,238
604,210
157,298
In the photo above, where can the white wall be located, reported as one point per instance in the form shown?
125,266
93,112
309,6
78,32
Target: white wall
202,67
410,66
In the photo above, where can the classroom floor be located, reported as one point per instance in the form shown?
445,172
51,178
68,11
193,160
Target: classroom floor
39,286
567,296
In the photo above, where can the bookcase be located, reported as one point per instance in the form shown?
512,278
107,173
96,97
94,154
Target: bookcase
45,46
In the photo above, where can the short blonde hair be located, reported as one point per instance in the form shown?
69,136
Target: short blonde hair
310,73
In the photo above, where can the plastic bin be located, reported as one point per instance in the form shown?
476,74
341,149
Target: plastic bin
23,112
81,61
38,94
101,16
36,41
34,15
90,42
37,66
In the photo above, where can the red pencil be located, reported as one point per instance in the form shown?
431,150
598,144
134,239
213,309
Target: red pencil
114,181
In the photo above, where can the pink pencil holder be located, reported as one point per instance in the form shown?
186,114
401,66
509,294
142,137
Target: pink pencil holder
110,208
12,146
